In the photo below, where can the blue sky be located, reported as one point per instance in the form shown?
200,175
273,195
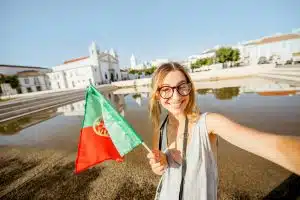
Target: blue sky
45,33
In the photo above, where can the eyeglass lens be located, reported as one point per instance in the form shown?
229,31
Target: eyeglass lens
183,89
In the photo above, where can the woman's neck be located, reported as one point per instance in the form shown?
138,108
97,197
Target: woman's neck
176,120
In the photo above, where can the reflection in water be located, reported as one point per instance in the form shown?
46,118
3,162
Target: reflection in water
14,126
278,93
221,93
138,98
77,108
226,93
203,91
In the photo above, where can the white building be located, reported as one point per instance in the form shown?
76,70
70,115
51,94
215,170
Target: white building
209,53
97,68
31,79
124,74
282,46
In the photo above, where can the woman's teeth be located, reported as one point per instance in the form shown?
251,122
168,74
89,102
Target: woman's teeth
176,105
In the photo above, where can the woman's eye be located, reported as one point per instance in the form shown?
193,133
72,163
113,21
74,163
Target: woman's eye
165,90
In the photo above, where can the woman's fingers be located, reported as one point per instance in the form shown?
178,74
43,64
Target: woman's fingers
152,161
157,161
150,155
155,165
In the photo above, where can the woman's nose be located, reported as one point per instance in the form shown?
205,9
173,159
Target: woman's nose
176,95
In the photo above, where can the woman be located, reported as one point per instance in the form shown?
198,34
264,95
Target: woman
185,144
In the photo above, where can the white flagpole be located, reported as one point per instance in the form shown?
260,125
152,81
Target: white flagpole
146,147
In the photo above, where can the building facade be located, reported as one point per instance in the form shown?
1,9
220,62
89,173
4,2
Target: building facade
280,46
97,68
31,79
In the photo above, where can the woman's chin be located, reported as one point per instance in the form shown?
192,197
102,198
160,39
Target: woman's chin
177,111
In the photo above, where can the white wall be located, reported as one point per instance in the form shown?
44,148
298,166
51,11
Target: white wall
117,71
104,69
57,80
79,77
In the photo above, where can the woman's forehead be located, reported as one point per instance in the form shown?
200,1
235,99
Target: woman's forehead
173,78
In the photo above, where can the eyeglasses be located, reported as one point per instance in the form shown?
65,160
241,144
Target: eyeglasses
167,92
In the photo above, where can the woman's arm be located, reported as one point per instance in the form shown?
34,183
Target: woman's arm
282,150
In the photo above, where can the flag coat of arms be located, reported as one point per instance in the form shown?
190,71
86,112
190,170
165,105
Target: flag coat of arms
105,134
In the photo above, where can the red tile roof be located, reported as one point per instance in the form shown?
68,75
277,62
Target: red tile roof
29,73
276,38
76,59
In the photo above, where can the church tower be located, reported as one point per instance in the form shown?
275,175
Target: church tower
94,57
132,61
93,49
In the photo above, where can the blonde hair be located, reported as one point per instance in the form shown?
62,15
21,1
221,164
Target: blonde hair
191,110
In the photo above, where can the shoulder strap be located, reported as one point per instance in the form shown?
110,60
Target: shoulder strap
161,132
183,167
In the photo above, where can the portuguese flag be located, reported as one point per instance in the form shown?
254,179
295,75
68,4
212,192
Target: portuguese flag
105,134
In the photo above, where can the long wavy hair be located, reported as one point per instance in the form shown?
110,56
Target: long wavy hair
191,110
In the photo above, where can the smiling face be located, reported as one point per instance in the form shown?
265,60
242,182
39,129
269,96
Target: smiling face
174,82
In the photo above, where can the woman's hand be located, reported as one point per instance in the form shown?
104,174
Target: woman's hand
158,161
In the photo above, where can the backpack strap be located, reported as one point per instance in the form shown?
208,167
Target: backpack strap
161,132
183,167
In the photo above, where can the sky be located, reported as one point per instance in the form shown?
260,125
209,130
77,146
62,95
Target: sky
46,33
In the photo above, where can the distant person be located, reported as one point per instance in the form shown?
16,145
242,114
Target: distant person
186,142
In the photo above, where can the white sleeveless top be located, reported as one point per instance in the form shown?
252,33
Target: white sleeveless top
201,179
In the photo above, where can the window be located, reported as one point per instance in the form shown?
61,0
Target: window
58,85
73,83
29,89
105,76
117,76
26,80
36,81
38,88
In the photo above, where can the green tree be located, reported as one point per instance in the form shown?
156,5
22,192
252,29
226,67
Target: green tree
235,55
132,71
12,80
209,61
223,54
194,66
227,54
